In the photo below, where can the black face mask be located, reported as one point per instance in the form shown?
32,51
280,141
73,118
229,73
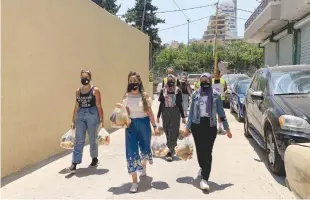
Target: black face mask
85,81
205,84
133,86
170,83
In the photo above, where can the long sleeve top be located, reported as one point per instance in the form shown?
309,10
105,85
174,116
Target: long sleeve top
178,103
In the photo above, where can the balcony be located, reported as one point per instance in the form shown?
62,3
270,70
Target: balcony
265,20
294,9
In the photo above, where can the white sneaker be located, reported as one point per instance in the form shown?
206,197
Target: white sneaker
199,173
134,188
143,173
204,185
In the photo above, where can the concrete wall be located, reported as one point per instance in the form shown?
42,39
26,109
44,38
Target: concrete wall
45,43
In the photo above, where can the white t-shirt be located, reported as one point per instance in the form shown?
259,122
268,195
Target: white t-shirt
203,106
135,105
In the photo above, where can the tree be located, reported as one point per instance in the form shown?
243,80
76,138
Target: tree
108,5
134,17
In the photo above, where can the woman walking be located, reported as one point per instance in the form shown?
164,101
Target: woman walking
138,134
186,93
171,108
87,116
202,122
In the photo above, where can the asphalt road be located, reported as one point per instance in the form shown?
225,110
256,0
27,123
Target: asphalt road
238,171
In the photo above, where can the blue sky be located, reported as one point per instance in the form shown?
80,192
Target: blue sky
196,28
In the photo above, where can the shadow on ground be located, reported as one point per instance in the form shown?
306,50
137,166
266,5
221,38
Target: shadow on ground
146,183
84,172
262,156
195,182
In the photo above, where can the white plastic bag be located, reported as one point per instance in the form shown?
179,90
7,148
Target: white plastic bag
185,148
120,118
159,147
160,131
103,137
68,139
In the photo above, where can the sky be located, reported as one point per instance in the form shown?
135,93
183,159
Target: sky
196,28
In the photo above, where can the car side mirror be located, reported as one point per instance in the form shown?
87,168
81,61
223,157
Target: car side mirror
257,95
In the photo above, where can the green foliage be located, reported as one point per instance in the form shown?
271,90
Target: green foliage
151,77
109,5
242,57
134,17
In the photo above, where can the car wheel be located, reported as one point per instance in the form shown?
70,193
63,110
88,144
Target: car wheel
274,160
246,126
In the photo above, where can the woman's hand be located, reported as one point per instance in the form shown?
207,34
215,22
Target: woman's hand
102,125
156,133
184,121
119,105
73,125
187,133
157,120
228,133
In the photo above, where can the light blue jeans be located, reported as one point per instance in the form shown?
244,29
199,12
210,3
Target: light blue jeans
87,119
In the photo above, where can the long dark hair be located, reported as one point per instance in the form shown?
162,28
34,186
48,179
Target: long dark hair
144,95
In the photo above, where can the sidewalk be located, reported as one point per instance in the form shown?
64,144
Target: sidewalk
237,173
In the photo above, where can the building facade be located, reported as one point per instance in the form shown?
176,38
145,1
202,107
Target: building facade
229,9
282,28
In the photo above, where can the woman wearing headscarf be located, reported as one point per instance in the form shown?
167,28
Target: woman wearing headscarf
171,108
202,123
186,93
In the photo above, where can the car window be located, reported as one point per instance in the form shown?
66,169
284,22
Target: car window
262,82
254,84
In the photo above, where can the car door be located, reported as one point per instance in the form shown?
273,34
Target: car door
250,102
235,96
259,107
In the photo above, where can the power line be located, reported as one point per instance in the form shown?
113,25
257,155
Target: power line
180,10
176,26
237,9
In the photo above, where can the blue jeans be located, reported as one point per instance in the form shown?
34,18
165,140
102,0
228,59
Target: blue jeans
138,136
87,119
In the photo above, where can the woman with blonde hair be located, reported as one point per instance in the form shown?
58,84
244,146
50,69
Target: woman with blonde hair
138,134
87,116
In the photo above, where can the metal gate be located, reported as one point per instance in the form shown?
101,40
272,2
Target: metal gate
305,45
286,50
271,54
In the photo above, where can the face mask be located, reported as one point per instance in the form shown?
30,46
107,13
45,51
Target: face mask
205,84
85,81
133,86
170,83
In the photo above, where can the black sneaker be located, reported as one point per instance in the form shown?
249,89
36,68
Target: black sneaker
169,157
94,162
72,168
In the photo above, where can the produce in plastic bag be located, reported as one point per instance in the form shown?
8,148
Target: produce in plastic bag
159,147
120,118
68,139
184,149
160,131
103,137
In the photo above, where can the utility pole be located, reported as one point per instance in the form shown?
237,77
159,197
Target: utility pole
215,39
143,16
188,40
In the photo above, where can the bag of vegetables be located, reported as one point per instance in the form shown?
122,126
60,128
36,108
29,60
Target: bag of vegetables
160,131
120,118
68,139
103,137
159,147
184,149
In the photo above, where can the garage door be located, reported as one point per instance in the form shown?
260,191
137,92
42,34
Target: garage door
271,54
305,45
286,50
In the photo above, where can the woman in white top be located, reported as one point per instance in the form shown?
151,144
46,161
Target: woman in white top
138,135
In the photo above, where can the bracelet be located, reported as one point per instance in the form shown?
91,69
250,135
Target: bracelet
154,126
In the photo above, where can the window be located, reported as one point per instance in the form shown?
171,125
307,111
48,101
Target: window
254,84
262,82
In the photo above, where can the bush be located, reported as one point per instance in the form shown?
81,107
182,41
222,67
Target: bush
151,79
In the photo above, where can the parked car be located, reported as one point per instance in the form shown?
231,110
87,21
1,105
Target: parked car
277,111
232,79
237,98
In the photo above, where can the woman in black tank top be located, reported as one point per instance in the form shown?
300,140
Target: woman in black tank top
87,116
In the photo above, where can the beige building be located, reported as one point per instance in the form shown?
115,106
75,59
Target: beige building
45,44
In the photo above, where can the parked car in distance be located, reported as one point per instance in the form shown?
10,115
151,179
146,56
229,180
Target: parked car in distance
191,78
237,98
232,79
277,111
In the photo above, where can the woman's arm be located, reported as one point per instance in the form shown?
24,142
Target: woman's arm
190,115
98,104
76,106
179,104
221,112
161,99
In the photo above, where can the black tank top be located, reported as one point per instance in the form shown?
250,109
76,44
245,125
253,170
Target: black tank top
184,88
87,100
